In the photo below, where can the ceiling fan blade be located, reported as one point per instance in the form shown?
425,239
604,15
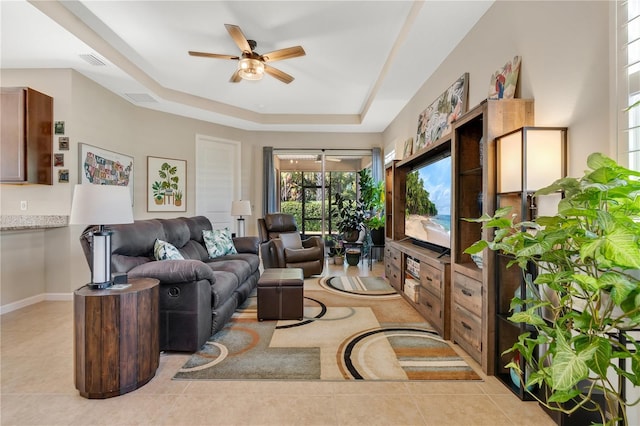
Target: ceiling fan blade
280,75
235,77
236,34
289,52
212,55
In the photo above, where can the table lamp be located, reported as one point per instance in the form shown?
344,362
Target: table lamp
241,208
101,205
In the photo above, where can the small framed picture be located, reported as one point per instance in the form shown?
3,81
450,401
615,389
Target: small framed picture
63,175
58,127
58,160
63,143
408,148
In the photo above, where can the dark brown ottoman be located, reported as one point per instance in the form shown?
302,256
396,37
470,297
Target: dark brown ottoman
280,293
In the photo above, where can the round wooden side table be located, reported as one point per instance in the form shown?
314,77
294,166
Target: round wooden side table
116,338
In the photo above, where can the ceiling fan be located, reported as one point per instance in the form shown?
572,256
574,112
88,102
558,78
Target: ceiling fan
328,158
252,65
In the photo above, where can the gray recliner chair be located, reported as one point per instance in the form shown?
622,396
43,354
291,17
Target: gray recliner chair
282,247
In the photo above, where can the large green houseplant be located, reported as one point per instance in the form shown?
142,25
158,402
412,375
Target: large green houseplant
372,198
587,292
349,216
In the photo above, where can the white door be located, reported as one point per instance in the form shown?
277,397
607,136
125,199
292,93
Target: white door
217,179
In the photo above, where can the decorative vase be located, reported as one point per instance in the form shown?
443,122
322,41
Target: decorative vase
353,257
351,235
377,236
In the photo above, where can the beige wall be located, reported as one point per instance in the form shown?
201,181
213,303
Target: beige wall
565,68
98,117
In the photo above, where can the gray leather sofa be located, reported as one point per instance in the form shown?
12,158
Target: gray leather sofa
198,295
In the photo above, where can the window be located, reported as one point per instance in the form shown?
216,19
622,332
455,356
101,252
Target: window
628,60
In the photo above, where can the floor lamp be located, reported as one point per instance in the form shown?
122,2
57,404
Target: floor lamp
241,208
101,205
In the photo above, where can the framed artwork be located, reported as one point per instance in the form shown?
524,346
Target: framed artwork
58,127
63,175
166,185
504,82
99,166
435,121
63,143
408,148
58,160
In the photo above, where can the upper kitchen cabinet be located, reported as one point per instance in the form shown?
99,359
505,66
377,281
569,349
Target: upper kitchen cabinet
26,141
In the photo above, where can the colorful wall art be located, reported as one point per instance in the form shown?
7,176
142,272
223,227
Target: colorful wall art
166,185
504,82
103,167
435,121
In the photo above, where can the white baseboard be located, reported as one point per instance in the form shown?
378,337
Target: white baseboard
54,297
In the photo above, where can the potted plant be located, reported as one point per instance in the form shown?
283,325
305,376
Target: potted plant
170,180
350,217
158,193
178,198
586,297
338,258
372,199
353,256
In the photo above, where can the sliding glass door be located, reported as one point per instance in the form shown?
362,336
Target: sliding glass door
308,181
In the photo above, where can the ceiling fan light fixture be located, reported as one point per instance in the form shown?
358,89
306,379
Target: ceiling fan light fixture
250,69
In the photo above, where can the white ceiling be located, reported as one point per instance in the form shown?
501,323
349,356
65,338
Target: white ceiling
364,59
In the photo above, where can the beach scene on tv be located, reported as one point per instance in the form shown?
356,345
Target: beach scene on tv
428,203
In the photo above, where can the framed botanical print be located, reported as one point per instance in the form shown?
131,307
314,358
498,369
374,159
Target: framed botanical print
166,185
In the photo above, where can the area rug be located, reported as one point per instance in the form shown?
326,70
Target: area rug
355,329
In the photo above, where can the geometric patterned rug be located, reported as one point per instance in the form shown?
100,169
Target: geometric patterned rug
359,330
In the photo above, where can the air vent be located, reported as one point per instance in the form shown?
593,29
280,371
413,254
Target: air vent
140,97
92,59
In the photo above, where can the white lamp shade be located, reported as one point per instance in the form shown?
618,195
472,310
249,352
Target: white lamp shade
541,151
241,208
509,149
100,205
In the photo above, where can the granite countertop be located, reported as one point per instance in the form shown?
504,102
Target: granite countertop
17,222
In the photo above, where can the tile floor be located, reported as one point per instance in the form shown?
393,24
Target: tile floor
37,388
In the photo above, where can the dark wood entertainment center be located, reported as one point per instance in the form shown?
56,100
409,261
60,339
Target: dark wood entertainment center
455,295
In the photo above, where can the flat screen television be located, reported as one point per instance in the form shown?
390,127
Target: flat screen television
428,203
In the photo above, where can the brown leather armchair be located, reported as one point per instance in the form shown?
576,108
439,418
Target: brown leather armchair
280,248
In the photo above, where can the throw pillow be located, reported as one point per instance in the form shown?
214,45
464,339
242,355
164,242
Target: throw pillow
219,242
163,250
291,240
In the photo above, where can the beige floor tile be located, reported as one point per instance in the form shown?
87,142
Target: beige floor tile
370,388
526,413
444,388
459,410
377,410
43,409
129,409
493,386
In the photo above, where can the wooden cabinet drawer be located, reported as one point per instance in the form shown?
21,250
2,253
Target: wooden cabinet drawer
431,278
467,292
393,275
392,257
431,307
467,331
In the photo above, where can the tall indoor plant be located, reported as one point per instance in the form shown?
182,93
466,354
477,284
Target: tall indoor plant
587,293
350,217
372,198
